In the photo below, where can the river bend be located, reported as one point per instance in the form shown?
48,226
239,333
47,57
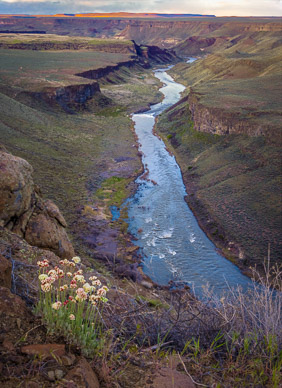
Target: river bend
173,246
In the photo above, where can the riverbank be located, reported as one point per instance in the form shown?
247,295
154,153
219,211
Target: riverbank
224,180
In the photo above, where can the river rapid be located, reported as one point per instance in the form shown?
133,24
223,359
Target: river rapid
172,244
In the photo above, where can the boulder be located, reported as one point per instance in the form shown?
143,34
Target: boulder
167,378
46,231
45,350
16,186
5,272
23,211
82,375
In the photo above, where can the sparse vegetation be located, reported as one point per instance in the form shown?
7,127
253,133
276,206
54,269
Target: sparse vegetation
228,341
86,162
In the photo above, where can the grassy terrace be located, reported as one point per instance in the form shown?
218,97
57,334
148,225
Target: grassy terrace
87,42
71,154
34,70
244,79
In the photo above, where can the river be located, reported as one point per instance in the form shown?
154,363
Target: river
172,244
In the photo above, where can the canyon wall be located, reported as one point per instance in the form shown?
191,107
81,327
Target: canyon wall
159,32
219,121
70,97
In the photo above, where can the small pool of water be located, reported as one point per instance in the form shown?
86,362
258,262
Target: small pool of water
115,212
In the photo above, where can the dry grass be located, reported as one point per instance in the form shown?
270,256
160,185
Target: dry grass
232,341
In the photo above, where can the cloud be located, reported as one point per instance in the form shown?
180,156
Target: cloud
248,8
217,7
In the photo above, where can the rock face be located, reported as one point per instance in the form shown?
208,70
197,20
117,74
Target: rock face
45,230
24,212
5,272
220,122
69,97
11,305
16,187
159,32
104,71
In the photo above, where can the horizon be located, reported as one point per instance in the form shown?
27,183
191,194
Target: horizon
217,8
125,14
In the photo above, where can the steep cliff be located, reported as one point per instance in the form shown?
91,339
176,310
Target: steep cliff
219,121
70,98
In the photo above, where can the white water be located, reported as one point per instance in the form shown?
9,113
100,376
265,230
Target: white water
172,244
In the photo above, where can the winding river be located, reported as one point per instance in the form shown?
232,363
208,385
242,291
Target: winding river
173,246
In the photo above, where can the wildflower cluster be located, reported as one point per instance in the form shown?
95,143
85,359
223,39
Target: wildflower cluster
69,303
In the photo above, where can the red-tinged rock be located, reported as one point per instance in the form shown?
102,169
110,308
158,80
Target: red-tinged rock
14,316
8,345
45,350
5,272
168,378
11,305
82,375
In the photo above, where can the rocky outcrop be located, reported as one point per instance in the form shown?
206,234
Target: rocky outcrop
16,187
47,230
24,212
157,55
221,122
104,71
70,98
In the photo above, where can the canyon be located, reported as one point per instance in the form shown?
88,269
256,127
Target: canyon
68,88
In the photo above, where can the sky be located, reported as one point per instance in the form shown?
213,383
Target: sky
210,7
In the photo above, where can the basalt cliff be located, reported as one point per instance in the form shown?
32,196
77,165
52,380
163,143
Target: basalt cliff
165,33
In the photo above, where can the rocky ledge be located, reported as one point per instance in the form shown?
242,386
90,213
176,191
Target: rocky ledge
219,121
69,98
